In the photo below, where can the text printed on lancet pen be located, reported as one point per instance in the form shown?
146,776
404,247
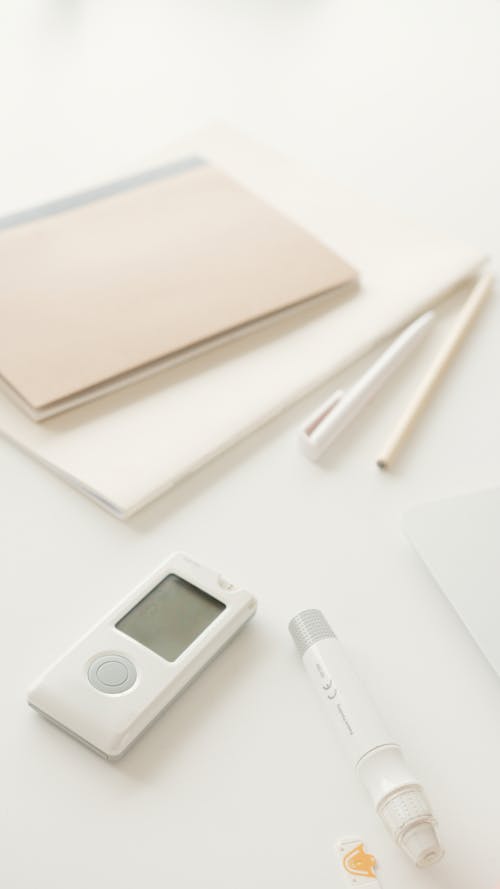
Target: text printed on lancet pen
331,693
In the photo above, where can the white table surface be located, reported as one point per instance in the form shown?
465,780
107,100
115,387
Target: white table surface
241,784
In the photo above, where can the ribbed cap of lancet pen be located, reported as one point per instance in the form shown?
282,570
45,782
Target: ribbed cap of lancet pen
309,627
408,817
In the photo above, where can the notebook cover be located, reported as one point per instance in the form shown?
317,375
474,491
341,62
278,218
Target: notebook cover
130,446
102,284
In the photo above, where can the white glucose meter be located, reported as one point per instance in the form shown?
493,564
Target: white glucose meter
108,688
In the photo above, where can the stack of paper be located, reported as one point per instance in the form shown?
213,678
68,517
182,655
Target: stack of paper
129,446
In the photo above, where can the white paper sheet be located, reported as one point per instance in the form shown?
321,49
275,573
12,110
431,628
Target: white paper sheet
130,446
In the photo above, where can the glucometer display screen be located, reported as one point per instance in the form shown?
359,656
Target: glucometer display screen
170,617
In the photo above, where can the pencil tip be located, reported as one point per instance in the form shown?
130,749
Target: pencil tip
381,464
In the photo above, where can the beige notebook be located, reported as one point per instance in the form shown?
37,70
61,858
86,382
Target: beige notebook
101,288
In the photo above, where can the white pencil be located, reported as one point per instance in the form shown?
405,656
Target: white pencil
430,381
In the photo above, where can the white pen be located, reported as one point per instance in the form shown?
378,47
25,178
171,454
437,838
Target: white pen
322,427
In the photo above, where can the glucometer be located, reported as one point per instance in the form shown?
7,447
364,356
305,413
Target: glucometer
117,679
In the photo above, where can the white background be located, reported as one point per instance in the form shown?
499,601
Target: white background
241,784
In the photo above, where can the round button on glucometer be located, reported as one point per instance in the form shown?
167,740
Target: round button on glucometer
112,673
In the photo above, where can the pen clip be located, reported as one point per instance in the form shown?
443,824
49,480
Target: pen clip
312,426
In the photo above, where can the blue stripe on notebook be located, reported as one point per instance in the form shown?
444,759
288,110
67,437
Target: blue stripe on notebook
103,191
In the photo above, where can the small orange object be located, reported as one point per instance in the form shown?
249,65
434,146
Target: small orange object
357,865
359,862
